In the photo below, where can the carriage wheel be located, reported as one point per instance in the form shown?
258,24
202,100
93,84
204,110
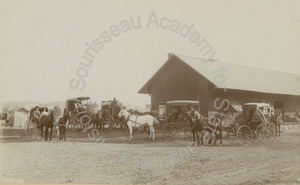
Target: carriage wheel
111,122
36,132
28,129
187,132
206,136
266,133
56,131
55,128
170,130
146,130
272,132
31,130
228,134
244,135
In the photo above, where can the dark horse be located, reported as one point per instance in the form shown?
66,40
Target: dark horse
47,122
202,127
96,120
107,116
62,122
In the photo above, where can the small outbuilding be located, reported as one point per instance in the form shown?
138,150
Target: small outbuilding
18,117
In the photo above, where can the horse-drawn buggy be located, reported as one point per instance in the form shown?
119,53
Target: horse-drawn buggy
254,123
109,112
173,116
40,120
76,107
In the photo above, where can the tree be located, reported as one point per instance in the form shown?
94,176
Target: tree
92,107
57,111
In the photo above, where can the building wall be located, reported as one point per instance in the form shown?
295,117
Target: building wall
179,82
291,103
18,118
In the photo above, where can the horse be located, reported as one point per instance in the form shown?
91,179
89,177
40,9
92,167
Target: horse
62,126
96,120
47,121
275,119
138,121
100,119
196,128
201,126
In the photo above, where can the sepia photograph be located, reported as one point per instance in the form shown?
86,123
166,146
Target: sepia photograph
150,92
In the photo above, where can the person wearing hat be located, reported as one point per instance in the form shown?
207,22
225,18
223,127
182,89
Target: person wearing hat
113,106
36,115
196,115
45,112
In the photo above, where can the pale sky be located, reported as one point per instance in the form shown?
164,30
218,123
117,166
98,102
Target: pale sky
42,43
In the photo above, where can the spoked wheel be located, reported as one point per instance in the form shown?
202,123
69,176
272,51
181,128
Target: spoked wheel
111,122
228,135
272,132
146,131
31,130
57,132
206,136
187,132
244,135
28,128
55,128
170,130
266,133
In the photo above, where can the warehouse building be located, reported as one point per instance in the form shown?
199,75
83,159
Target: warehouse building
189,78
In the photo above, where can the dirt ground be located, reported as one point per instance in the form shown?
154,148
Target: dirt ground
140,161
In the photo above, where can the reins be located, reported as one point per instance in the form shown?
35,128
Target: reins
128,119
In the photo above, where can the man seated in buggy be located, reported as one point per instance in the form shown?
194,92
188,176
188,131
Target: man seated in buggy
44,112
79,108
35,115
113,107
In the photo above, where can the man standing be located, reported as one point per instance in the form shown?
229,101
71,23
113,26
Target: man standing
62,122
114,106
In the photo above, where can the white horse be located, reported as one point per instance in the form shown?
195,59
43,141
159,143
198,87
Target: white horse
138,121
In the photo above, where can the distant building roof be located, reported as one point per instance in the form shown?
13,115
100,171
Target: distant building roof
18,109
238,77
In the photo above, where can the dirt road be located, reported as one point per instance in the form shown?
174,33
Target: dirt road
149,162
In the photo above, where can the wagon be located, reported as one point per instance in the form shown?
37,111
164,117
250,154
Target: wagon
255,123
77,108
173,116
32,128
109,112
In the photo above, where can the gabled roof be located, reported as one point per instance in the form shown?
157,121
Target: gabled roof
237,77
18,109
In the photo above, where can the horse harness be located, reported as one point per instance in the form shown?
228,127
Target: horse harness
128,119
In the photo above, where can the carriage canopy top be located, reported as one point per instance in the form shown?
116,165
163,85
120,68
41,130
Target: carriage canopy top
70,104
182,103
257,104
109,102
265,108
78,99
